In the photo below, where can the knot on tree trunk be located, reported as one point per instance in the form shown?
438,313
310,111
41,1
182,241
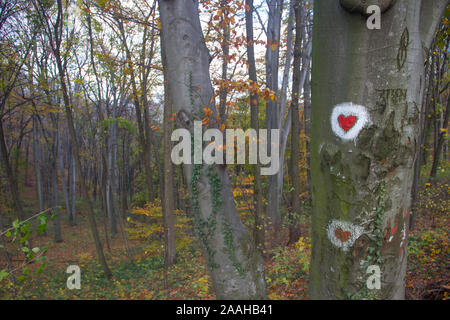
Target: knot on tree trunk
362,5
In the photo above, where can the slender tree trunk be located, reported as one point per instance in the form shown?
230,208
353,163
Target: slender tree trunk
55,147
37,162
169,217
225,38
258,229
64,185
73,187
294,232
440,142
307,123
12,182
273,112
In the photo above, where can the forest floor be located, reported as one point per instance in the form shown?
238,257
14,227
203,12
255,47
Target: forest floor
428,275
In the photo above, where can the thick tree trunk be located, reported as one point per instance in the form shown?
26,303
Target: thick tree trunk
235,265
362,162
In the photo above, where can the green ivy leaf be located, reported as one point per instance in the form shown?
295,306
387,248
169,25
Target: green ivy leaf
3,274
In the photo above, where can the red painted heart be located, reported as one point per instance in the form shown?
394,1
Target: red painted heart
346,123
342,235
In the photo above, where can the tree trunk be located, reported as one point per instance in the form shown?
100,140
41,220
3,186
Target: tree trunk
64,181
169,217
440,141
368,84
55,147
258,229
235,265
294,232
12,181
37,162
273,112
73,187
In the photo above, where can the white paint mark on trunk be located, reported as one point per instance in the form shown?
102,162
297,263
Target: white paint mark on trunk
348,119
343,234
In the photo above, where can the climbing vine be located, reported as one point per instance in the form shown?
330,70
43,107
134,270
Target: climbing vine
205,228
374,251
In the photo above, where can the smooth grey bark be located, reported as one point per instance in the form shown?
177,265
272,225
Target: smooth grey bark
73,186
12,180
55,191
273,112
64,185
294,232
108,187
365,182
168,194
235,265
37,162
259,228
307,121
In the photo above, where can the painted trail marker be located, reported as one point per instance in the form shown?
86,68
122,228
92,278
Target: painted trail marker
348,119
343,234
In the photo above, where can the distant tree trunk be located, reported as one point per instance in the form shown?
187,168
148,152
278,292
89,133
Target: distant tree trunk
273,114
440,142
110,196
294,231
366,92
423,119
258,229
26,180
225,38
64,185
37,162
169,218
55,190
73,186
12,181
307,122
235,265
